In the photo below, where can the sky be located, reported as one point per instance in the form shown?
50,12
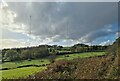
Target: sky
61,23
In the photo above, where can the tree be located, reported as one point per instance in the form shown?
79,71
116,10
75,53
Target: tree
11,55
26,54
52,55
41,52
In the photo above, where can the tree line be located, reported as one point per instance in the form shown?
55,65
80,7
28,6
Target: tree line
43,51
87,48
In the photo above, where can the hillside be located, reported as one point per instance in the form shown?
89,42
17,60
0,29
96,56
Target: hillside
86,65
100,67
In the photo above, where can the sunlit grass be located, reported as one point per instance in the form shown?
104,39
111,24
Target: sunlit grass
46,61
80,55
26,71
20,72
25,62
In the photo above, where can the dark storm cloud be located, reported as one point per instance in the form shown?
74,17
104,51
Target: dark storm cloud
72,20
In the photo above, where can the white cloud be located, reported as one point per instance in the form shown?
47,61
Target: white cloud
7,20
10,43
54,22
108,42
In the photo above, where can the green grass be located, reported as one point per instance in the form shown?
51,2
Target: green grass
46,61
20,72
64,51
80,55
25,62
26,71
0,75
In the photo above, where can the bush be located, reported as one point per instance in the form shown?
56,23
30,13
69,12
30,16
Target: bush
61,66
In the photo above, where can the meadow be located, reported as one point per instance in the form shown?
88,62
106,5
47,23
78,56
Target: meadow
21,72
13,65
15,72
80,55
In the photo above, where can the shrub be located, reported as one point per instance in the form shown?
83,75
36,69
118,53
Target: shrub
61,66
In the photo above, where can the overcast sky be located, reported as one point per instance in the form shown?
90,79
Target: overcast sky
61,23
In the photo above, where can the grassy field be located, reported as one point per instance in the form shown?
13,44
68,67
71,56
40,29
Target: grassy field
80,55
46,61
24,72
21,72
25,62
